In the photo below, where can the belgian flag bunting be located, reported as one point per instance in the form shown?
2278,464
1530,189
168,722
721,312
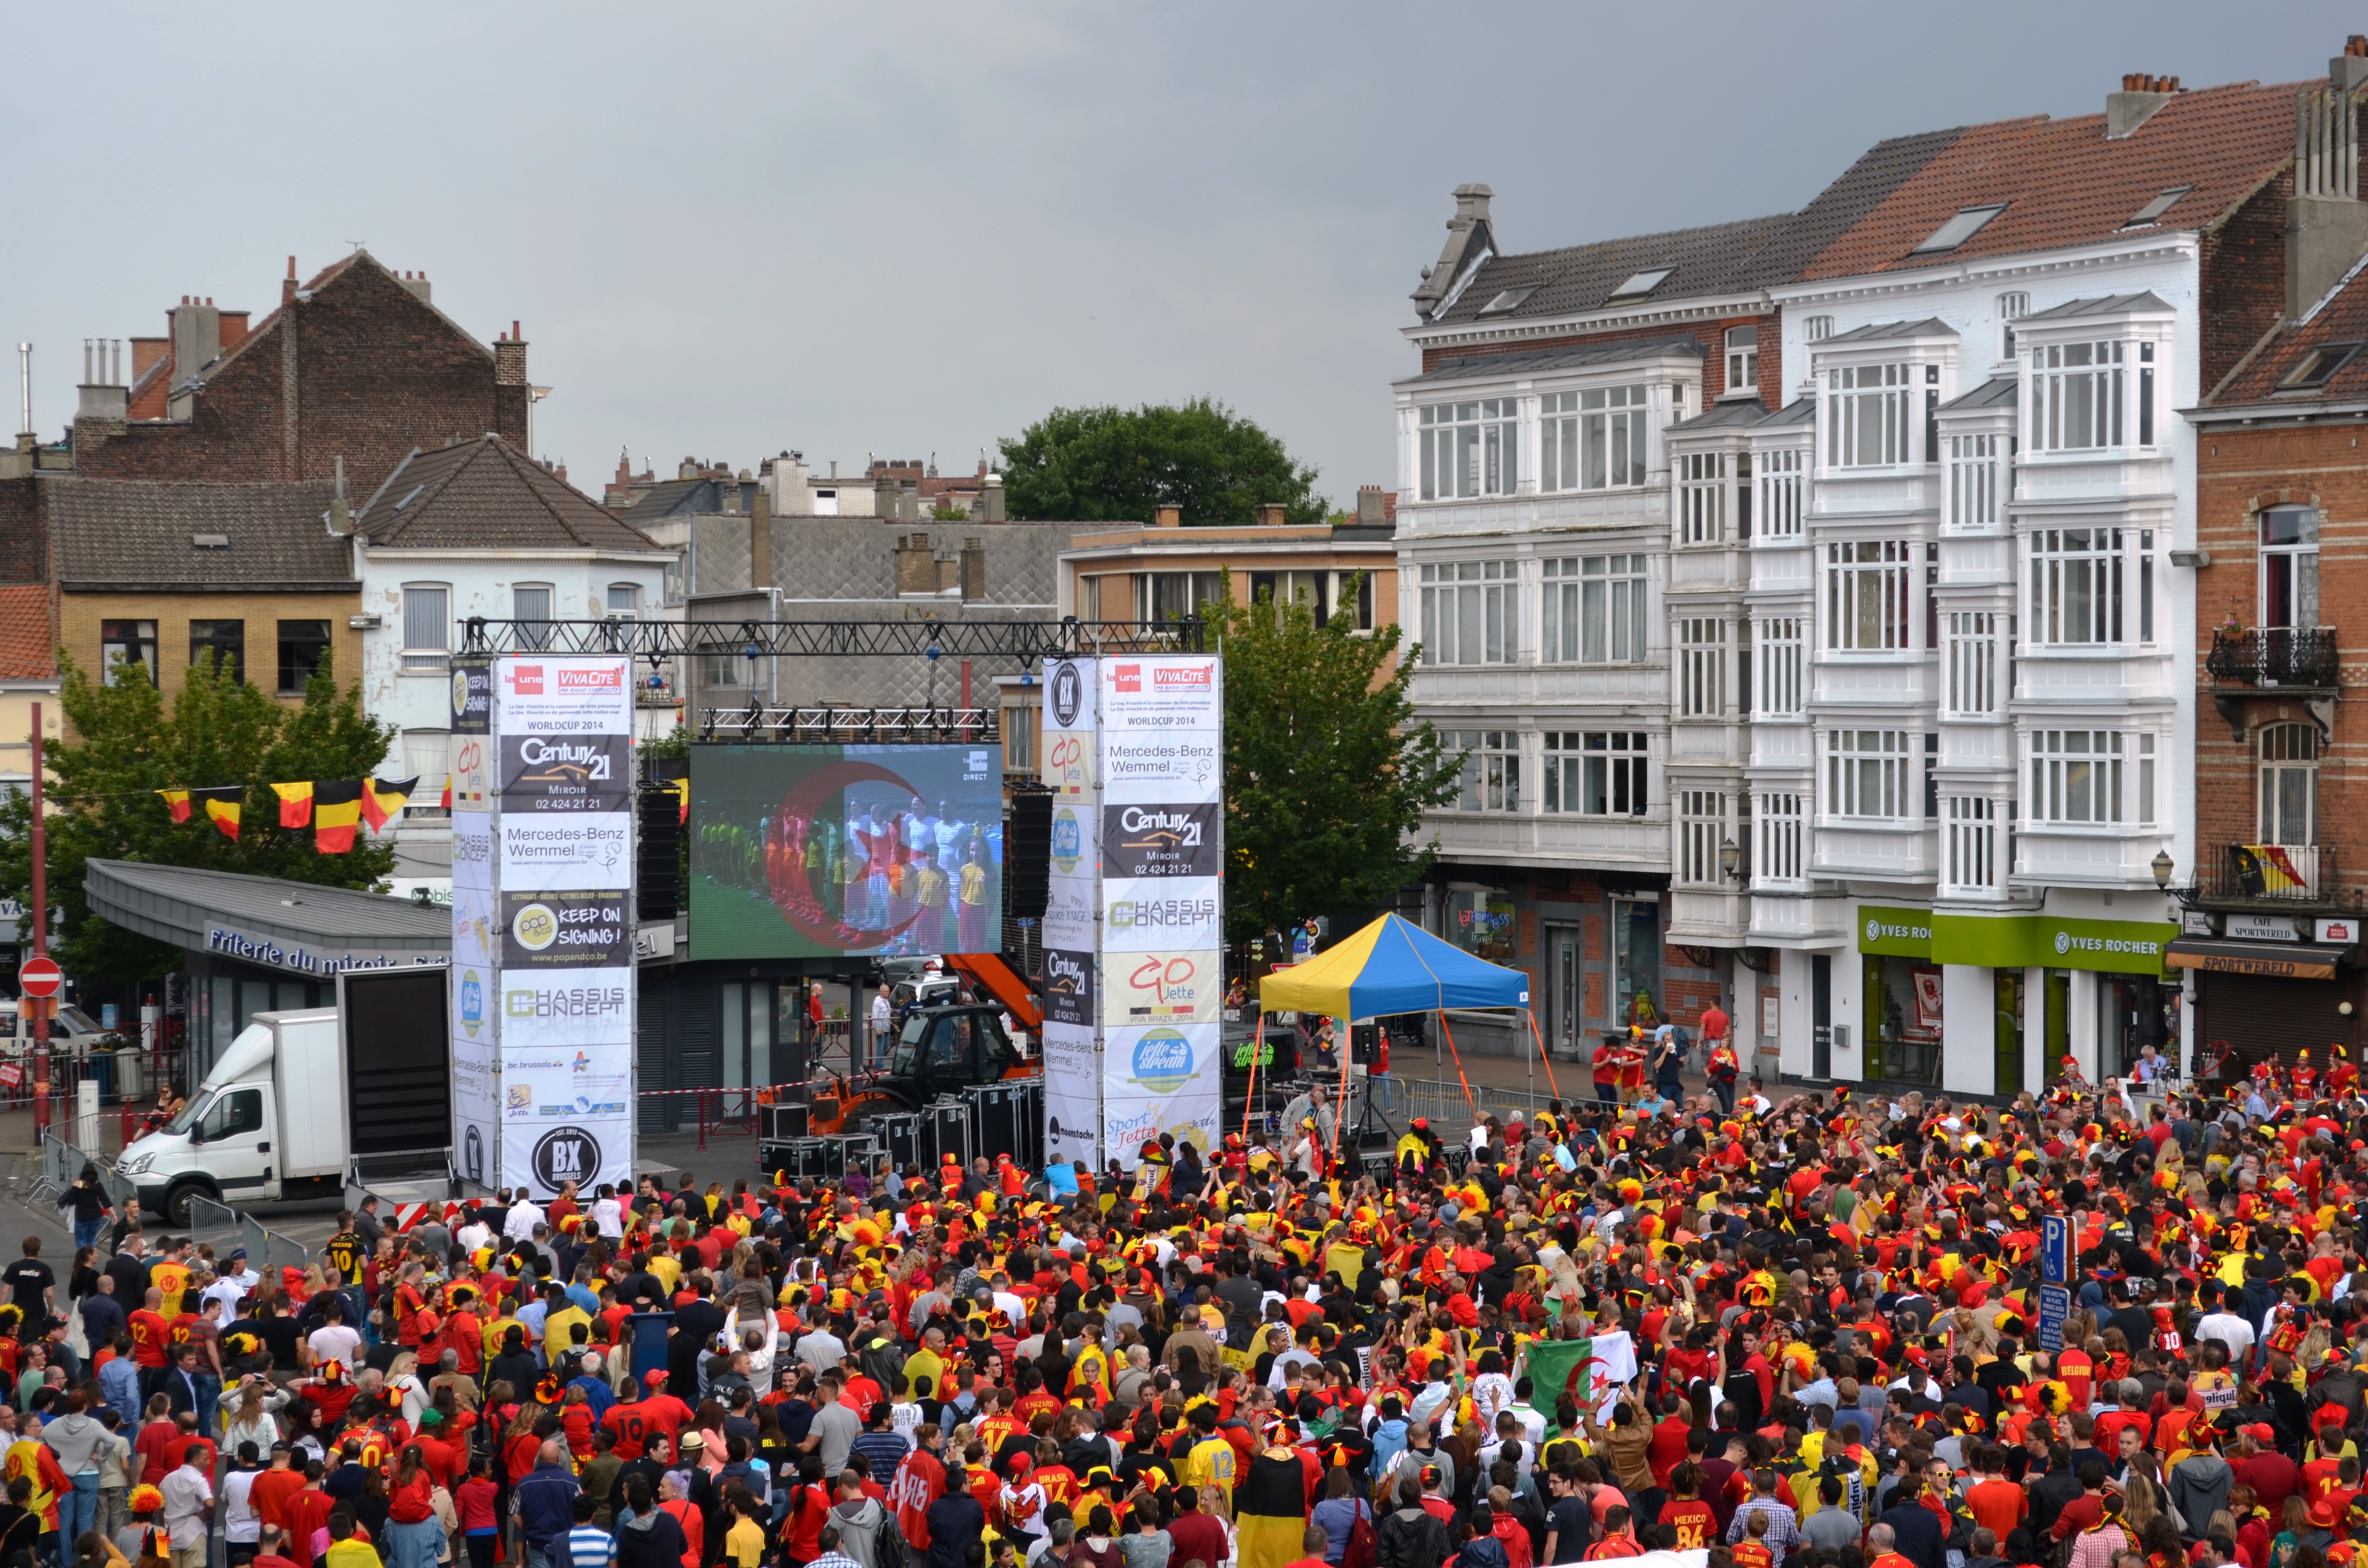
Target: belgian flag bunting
295,804
383,798
337,807
222,804
177,802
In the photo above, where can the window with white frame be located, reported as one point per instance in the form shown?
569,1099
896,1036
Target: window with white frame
1816,329
1467,449
1866,773
426,626
1701,666
530,606
2076,586
1491,779
1594,611
1780,494
1592,439
1742,358
1780,666
1973,480
2076,393
2011,307
1701,827
1596,773
1866,415
1780,835
624,601
1972,842
2076,776
1972,660
2290,784
1702,498
1471,612
1866,595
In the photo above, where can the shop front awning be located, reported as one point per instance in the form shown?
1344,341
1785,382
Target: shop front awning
299,926
2284,961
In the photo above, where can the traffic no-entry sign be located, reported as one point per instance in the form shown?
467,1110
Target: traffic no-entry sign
39,977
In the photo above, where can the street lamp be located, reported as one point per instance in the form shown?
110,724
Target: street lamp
2162,870
1730,860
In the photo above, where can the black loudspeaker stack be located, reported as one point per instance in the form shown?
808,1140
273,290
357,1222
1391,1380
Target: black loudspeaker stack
1364,1044
1028,854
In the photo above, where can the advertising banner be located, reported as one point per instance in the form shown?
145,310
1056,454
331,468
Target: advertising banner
1072,1094
1182,765
1161,1079
1069,987
1163,841
1068,731
1153,913
553,916
1163,987
476,1040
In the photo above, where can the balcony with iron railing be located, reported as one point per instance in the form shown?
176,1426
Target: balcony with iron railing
2297,879
2286,659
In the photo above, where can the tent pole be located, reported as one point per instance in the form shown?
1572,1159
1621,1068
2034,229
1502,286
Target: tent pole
1555,1089
1249,1097
1341,1112
1469,1104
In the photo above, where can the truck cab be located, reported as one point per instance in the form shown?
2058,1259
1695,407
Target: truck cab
256,1131
943,1048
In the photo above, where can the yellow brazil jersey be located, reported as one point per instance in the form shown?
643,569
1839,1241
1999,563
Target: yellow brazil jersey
1211,1462
171,1278
1091,1370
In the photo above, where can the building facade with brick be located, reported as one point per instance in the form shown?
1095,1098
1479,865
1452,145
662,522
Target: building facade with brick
2271,915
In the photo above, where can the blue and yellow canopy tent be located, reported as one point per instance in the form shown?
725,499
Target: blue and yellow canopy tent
1393,966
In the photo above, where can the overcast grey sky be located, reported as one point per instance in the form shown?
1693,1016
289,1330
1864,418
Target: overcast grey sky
906,229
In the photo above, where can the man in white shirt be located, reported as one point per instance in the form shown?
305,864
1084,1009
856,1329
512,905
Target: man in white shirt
189,1508
333,1341
883,1015
608,1213
524,1216
476,1233
2230,1329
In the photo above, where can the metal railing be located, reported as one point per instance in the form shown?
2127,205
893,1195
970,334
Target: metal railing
833,724
225,1229
2286,875
2274,655
62,1164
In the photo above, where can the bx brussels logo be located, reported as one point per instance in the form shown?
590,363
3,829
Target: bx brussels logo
472,1002
1163,1062
1126,678
473,1155
1068,694
525,680
1068,840
565,1154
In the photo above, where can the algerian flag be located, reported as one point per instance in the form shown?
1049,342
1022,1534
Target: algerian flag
1590,1370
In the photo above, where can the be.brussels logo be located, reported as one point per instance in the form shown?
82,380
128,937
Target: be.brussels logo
1163,1062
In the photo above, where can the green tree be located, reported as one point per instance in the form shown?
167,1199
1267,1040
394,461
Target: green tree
1327,773
1119,465
129,742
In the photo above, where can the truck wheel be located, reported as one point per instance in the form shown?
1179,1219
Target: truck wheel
177,1200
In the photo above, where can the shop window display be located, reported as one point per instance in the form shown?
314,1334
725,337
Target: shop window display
1903,1019
1636,961
1481,923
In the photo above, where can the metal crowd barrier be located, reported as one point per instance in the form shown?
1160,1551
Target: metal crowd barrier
225,1229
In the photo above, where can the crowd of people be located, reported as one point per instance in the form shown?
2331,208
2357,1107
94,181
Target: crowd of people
1809,1332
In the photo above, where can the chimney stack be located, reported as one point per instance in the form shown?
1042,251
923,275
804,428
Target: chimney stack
973,570
2140,98
991,496
916,564
1372,507
760,540
197,338
1270,515
510,359
2326,224
287,286
341,517
417,283
1168,516
104,396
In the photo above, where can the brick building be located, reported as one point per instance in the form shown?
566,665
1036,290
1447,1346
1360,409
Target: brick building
2271,925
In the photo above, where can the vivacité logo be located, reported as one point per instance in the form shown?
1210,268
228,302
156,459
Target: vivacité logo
611,679
1192,677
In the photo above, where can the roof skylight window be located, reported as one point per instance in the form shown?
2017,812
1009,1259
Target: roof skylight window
1640,284
1964,226
1511,299
2318,367
2161,204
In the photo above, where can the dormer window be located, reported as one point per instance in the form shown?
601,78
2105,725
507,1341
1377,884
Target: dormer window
1967,222
1640,284
2152,210
2318,367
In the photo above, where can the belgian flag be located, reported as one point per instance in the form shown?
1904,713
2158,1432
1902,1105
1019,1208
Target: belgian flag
681,787
223,803
295,804
337,807
448,794
383,798
177,802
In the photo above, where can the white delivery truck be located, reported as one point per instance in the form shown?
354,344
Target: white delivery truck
307,1103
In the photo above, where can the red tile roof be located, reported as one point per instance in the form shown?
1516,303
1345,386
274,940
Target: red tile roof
2341,319
2065,185
28,641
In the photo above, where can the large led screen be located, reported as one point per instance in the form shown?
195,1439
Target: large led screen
804,851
